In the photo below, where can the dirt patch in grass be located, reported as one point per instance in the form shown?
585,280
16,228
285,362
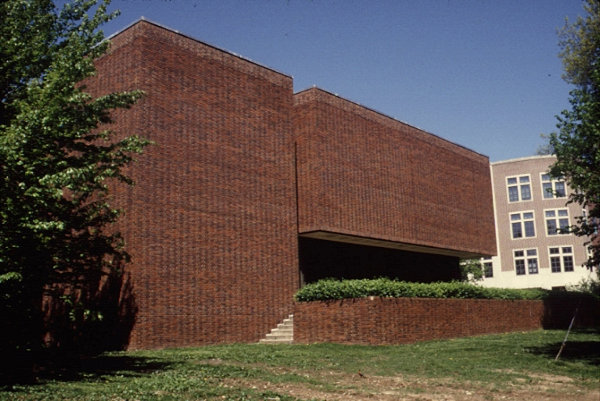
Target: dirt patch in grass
336,386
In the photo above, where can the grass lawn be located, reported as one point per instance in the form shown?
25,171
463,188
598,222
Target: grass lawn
515,366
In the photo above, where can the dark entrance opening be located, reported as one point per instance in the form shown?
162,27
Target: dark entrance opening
329,259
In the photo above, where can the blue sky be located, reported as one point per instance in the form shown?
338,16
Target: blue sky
481,73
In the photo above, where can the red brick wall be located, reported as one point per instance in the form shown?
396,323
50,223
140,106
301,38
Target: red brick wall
211,222
378,320
406,320
364,174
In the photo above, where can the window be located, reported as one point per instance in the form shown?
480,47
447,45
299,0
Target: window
522,225
561,258
557,221
526,257
553,188
488,268
532,262
519,263
519,188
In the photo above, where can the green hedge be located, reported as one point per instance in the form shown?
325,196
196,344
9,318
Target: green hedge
331,289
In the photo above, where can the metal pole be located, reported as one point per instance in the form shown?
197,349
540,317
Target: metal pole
567,336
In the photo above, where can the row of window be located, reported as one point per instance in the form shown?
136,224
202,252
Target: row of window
526,260
519,188
523,223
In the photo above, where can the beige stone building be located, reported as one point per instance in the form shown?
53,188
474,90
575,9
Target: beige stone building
530,210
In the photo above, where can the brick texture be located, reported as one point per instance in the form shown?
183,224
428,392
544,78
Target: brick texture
406,320
211,222
364,174
241,166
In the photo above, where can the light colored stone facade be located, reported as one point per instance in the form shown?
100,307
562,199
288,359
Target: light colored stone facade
531,252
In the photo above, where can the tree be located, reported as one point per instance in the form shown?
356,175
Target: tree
577,144
471,270
57,158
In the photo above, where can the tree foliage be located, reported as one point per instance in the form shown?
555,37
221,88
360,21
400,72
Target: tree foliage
471,270
577,143
56,160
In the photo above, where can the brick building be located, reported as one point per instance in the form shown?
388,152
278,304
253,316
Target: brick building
530,209
251,190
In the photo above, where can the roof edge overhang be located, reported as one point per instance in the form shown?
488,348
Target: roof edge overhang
403,246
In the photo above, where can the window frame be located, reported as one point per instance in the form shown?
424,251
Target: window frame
562,255
488,267
557,219
522,261
553,183
522,220
518,184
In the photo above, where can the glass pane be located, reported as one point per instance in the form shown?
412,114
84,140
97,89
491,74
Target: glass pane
529,229
555,264
518,253
568,263
563,224
551,226
520,266
567,249
550,213
563,212
525,192
532,266
531,252
513,194
515,216
560,189
511,180
528,215
547,190
524,179
488,270
516,230
554,250
545,177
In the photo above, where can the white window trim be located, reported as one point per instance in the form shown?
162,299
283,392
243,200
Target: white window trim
553,182
525,259
518,184
561,256
556,218
522,221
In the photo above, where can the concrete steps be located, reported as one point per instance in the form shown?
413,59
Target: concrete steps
282,334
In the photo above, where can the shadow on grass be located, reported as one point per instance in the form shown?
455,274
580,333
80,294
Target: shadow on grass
587,352
98,367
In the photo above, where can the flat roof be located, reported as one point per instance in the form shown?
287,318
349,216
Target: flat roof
521,159
143,19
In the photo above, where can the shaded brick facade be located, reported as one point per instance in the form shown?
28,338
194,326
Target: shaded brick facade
377,321
321,259
241,166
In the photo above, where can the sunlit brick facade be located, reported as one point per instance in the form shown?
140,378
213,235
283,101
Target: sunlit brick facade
250,190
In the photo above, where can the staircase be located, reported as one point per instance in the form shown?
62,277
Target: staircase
282,334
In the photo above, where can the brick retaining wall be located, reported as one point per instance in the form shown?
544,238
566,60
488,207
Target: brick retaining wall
404,320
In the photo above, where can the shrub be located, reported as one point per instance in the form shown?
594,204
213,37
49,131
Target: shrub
331,289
